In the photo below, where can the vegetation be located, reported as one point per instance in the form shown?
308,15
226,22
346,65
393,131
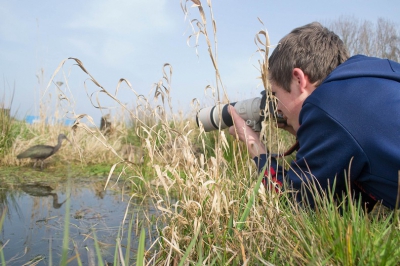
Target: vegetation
213,209
380,39
7,131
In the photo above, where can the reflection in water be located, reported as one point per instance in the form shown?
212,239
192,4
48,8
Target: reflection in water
34,227
38,190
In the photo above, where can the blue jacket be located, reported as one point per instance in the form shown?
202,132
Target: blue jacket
350,128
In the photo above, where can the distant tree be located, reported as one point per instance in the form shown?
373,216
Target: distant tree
381,39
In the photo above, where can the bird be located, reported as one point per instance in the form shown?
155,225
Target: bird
38,190
42,152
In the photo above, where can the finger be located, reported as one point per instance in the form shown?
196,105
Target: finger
232,131
235,116
231,110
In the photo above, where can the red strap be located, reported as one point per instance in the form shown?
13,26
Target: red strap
274,183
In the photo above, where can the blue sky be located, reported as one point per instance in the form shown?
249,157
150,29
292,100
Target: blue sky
133,39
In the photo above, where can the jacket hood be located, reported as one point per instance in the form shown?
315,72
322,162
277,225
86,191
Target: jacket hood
370,66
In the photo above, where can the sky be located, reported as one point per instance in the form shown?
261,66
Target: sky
133,39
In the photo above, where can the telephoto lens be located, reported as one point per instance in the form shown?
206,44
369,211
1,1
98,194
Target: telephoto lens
253,111
218,117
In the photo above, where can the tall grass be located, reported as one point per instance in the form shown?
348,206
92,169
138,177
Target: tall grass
214,210
7,128
65,245
2,217
221,215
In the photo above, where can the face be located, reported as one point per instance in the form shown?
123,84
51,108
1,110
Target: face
289,103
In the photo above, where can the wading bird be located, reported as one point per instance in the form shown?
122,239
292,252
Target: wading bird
42,152
38,190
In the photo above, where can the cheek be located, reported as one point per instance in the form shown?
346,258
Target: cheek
285,107
282,105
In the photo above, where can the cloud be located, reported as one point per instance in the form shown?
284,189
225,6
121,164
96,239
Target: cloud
117,30
123,16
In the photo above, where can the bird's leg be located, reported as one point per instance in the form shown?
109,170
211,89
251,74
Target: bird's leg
41,165
34,164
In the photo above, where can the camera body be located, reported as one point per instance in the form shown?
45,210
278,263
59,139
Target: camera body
253,111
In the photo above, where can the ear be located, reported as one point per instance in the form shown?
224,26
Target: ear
299,78
302,81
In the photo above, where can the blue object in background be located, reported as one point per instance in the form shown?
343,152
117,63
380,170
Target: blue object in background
69,122
31,119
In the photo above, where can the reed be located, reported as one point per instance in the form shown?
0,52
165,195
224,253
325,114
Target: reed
7,125
213,208
140,253
216,212
2,217
65,245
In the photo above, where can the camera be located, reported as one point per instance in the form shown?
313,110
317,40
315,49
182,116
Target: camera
253,111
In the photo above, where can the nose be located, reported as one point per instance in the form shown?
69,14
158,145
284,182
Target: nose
279,109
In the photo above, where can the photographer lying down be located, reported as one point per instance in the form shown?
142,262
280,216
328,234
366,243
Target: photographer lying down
344,112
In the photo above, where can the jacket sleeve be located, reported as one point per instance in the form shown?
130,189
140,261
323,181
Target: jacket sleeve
326,155
274,174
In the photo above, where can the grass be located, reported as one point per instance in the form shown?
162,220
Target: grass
7,128
64,254
214,210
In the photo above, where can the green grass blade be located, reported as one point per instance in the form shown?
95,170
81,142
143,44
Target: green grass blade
98,251
249,204
230,225
190,247
140,252
200,254
3,215
117,241
66,227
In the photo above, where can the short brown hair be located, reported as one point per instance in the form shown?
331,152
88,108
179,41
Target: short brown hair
312,48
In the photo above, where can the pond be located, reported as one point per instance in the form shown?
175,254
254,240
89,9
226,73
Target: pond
35,215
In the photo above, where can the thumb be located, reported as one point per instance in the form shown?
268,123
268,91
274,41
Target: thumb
232,112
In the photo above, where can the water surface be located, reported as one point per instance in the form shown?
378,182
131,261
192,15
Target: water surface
33,229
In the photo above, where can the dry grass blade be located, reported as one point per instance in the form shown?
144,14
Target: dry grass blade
209,204
200,28
263,49
54,74
102,89
197,4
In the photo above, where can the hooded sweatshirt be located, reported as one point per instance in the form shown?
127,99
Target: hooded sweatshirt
349,132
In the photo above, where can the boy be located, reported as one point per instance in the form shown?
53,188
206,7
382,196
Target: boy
344,112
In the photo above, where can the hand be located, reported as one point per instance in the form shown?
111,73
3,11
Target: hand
244,133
